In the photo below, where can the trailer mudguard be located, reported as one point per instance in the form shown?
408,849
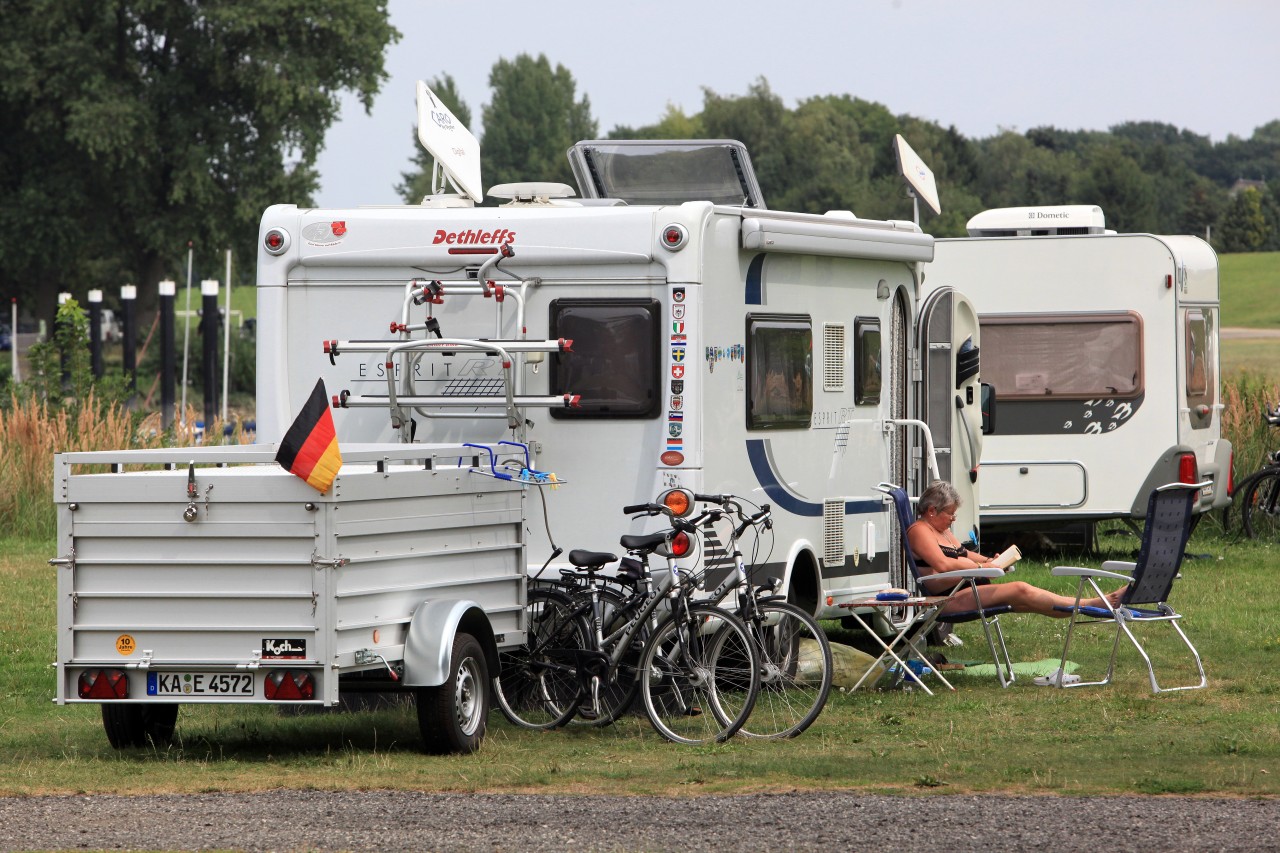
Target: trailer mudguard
430,641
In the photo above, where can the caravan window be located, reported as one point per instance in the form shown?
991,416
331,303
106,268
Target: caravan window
1082,356
1200,358
866,361
614,363
779,371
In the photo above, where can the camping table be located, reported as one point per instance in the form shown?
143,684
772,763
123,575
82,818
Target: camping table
926,613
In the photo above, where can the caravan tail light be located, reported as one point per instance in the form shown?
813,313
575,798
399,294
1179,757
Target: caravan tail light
1231,475
680,544
1188,471
674,237
103,684
275,241
284,684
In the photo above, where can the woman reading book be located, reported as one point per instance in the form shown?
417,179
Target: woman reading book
937,551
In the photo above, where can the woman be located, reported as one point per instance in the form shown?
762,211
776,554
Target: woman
937,551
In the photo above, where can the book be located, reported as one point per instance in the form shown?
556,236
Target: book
1006,558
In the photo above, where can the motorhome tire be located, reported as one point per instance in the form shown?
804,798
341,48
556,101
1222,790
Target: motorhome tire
139,724
452,716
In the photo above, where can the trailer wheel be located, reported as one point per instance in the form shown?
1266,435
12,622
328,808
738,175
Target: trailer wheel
139,724
452,716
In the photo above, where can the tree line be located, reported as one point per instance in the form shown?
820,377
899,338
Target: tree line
133,128
834,152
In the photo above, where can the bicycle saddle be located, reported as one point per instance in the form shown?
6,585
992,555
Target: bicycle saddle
644,542
590,560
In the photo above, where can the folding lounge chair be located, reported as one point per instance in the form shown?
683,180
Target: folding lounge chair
989,616
1164,540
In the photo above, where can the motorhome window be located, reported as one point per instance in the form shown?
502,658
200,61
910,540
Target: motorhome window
779,371
866,363
614,362
1082,356
1200,358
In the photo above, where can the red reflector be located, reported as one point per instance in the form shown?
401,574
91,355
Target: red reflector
1231,475
680,544
1188,471
285,684
103,684
1168,282
473,251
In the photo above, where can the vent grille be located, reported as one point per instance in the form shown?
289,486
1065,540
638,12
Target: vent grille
833,552
832,356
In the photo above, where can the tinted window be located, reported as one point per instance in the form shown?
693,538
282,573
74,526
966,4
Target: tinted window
1076,356
614,362
866,361
780,372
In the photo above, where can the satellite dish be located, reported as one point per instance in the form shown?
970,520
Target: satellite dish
456,151
918,176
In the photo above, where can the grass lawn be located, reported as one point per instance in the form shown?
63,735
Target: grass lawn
1248,284
1224,740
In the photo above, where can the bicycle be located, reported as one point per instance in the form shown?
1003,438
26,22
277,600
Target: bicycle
796,668
1259,493
697,672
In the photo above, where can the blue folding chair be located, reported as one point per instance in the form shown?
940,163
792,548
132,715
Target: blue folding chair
968,579
1150,578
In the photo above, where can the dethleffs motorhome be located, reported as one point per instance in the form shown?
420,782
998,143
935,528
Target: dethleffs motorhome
664,328
1103,352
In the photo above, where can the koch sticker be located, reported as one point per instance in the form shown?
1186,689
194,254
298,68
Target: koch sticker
284,649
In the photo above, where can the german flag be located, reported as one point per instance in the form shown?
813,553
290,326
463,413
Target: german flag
310,447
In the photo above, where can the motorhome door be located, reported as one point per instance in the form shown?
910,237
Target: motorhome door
949,396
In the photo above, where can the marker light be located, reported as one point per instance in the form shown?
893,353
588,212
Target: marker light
275,241
674,237
103,684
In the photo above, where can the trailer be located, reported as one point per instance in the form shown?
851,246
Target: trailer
660,327
1102,349
211,575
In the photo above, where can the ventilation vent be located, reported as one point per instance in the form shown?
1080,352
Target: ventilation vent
832,357
833,553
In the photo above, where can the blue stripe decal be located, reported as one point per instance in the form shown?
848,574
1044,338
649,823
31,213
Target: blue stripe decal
767,477
755,281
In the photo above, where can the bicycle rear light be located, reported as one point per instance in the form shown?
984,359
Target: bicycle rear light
679,501
680,544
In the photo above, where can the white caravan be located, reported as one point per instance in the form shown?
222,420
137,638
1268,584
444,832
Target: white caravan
1102,349
663,329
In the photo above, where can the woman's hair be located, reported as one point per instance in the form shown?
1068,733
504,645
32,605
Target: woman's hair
938,496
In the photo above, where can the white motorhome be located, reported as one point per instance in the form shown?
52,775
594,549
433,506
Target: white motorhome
1102,349
663,329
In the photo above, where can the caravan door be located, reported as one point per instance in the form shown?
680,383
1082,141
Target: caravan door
949,399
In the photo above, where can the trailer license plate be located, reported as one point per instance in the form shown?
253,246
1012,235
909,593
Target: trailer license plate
1206,491
199,684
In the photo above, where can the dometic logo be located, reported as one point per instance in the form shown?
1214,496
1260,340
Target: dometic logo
474,238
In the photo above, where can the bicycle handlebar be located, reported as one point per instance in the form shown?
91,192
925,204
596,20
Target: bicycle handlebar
1272,416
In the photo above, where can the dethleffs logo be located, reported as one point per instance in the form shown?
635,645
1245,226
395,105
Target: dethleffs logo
474,237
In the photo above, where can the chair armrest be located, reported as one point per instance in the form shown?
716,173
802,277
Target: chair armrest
1119,566
1076,572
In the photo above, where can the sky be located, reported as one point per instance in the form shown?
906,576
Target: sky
1208,66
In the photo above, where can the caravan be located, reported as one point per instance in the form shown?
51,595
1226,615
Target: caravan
660,328
1102,349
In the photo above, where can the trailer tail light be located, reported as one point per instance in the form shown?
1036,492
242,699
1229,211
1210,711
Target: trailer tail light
275,241
103,684
1231,475
680,544
285,684
1188,471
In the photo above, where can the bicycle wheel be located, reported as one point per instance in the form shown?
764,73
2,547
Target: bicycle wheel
615,692
699,677
537,685
795,670
1261,507
1232,512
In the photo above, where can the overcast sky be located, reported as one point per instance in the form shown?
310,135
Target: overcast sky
1209,66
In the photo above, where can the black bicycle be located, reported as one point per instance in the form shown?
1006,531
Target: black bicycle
1257,497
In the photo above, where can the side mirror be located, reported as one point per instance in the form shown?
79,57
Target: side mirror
988,408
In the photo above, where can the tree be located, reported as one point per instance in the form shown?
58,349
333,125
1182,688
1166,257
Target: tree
417,183
1244,226
128,127
532,121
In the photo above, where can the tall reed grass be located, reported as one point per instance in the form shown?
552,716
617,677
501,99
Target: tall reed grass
1245,396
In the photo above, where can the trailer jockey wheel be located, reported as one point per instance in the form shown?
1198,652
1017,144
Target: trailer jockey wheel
139,724
452,716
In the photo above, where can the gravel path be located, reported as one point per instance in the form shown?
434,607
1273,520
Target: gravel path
828,821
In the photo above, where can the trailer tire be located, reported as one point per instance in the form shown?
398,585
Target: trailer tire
452,716
139,724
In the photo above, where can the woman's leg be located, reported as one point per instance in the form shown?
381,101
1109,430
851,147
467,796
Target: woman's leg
1024,598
